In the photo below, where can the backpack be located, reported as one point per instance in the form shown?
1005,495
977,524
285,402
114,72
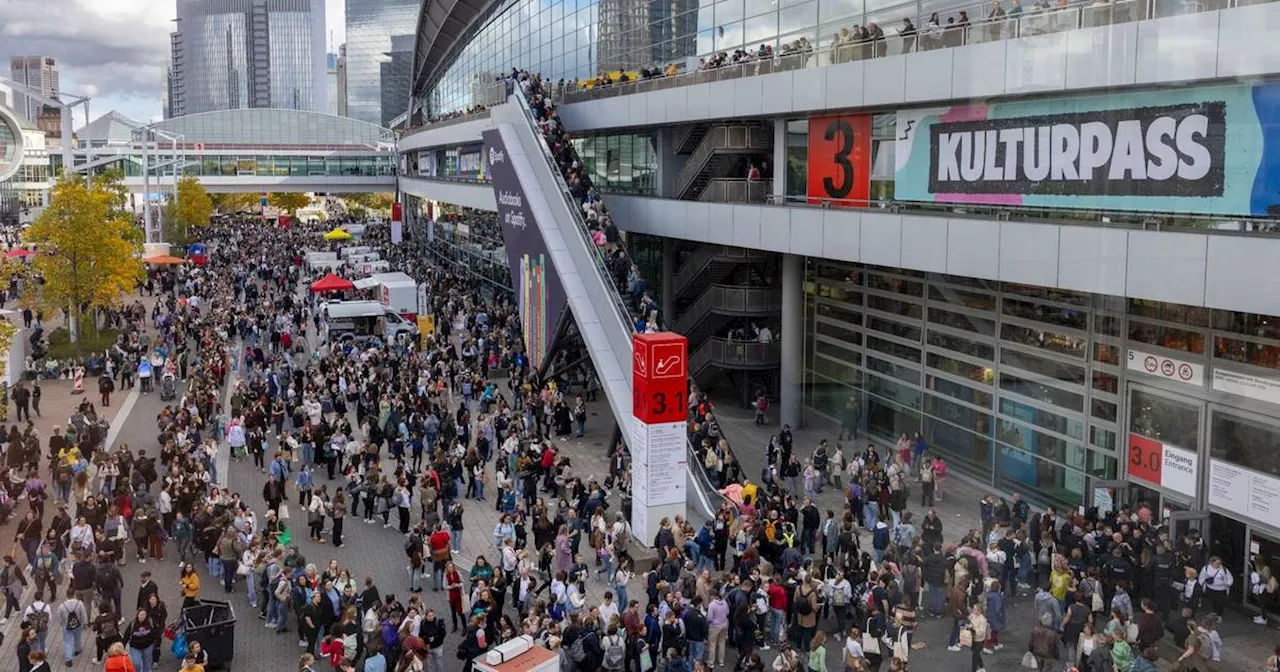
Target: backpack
1206,644
73,620
802,603
615,653
578,652
39,617
839,598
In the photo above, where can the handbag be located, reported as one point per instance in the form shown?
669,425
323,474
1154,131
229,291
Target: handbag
1097,604
1029,661
1131,632
901,650
284,512
179,648
646,661
870,645
966,637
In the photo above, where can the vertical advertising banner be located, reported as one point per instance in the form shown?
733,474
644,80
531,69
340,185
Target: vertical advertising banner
1211,150
659,473
840,160
539,294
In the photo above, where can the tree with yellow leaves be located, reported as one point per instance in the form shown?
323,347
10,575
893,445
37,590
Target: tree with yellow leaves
236,202
89,251
191,210
288,201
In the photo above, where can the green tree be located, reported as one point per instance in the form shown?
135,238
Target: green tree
89,252
288,201
235,202
379,201
191,210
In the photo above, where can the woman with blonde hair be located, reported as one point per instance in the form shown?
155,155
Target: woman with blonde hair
118,659
818,652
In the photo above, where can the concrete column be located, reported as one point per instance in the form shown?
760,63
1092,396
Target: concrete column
779,160
792,339
668,300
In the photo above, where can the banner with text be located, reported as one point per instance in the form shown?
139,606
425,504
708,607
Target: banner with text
539,294
1208,150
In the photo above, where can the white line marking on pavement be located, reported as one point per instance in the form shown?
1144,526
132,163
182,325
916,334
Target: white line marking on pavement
118,422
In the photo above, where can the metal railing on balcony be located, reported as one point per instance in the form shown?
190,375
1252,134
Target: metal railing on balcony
730,354
729,300
737,190
954,27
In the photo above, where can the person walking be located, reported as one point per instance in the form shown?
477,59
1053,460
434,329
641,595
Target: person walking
72,617
1043,644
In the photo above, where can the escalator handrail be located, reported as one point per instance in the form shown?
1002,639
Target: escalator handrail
618,304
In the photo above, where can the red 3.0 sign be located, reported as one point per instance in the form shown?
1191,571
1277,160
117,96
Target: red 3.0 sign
659,371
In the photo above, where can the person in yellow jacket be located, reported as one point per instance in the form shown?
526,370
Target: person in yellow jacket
190,581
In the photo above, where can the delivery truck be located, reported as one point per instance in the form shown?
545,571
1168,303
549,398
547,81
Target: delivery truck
362,321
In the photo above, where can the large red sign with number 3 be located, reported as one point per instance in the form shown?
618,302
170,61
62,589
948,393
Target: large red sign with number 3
1146,458
840,160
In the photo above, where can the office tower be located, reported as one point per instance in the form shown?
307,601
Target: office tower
229,54
39,72
372,29
342,81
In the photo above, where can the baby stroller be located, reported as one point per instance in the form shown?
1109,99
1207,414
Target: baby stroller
168,387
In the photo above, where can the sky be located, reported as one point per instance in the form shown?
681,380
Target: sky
114,51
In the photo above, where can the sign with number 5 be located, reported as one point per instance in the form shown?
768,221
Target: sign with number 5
840,160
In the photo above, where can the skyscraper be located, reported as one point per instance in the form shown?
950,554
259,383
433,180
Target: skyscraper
372,29
342,80
229,54
393,77
38,72
331,81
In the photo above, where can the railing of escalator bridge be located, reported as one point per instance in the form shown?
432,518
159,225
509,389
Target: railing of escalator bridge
575,206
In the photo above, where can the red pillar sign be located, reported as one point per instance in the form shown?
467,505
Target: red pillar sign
660,383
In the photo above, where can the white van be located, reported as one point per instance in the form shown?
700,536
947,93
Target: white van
362,320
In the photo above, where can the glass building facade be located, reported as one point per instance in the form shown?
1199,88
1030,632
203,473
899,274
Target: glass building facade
1038,390
233,54
372,29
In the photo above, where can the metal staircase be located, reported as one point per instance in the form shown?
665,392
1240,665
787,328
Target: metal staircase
735,355
688,137
711,264
726,302
717,151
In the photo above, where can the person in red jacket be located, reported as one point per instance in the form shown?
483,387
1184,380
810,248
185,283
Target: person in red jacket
453,581
440,555
777,611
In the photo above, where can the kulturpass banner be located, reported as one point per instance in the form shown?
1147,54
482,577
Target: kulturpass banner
539,295
1205,150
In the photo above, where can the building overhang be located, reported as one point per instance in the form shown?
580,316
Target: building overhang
441,25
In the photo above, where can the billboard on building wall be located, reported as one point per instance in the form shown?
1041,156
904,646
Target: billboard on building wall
1204,150
840,160
539,294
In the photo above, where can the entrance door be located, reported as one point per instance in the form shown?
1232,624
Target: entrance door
1107,495
1182,522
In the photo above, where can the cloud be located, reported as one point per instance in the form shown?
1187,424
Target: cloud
113,48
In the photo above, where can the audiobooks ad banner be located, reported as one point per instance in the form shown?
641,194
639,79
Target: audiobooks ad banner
1204,150
539,294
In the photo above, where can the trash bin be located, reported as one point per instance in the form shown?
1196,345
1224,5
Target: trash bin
213,624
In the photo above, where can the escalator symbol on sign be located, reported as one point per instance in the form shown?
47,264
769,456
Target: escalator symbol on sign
668,361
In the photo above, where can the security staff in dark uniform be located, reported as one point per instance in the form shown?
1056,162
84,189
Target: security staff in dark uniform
1163,568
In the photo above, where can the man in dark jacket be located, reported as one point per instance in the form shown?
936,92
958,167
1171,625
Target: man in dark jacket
934,574
696,629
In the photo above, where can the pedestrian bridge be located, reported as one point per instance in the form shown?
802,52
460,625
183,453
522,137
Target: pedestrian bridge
251,150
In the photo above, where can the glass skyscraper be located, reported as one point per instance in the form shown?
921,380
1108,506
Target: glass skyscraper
372,26
230,54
